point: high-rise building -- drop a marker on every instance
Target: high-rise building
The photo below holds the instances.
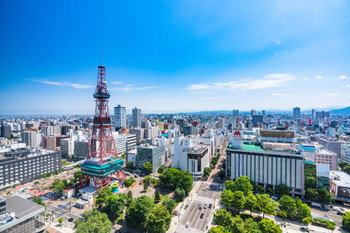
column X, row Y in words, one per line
column 67, row 147
column 221, row 123
column 31, row 138
column 257, row 119
column 252, row 112
column 296, row 113
column 313, row 114
column 235, row 113
column 5, row 131
column 263, row 113
column 136, row 117
column 51, row 130
column 119, row 117
column 153, row 154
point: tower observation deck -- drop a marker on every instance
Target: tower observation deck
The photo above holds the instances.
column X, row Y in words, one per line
column 102, row 163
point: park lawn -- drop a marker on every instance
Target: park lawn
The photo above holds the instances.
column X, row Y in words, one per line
column 162, row 198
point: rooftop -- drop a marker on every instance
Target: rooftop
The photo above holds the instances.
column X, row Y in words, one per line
column 340, row 178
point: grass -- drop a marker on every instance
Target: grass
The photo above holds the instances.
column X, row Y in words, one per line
column 162, row 198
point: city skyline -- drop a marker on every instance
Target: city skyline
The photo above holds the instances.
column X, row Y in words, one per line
column 168, row 58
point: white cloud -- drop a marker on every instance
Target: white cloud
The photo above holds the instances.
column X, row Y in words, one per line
column 117, row 82
column 277, row 42
column 279, row 94
column 132, row 88
column 342, row 76
column 269, row 81
column 67, row 84
column 331, row 94
column 319, row 77
column 347, row 86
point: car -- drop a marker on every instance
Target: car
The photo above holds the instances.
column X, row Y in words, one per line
column 70, row 220
column 187, row 224
column 205, row 205
column 202, row 215
column 200, row 207
column 210, row 206
column 135, row 176
column 303, row 229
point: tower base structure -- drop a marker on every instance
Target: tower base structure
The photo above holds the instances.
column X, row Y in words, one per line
column 101, row 175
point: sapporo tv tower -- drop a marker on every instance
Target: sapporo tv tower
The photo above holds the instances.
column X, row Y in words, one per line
column 103, row 163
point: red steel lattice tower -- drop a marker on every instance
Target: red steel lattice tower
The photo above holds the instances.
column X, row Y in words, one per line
column 102, row 161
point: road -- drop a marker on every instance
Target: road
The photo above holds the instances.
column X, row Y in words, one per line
column 57, row 213
column 207, row 194
column 331, row 213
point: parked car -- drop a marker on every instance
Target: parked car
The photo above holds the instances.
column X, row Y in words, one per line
column 202, row 215
column 187, row 224
column 210, row 206
column 70, row 220
column 200, row 207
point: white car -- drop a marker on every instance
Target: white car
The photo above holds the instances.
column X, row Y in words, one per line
column 187, row 224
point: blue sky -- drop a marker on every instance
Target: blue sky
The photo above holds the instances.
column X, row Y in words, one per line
column 173, row 56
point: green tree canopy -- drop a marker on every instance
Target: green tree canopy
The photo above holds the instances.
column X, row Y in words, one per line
column 310, row 182
column 161, row 170
column 77, row 175
column 39, row 201
column 346, row 221
column 129, row 165
column 251, row 203
column 251, row 226
column 223, row 218
column 157, row 196
column 128, row 182
column 179, row 194
column 148, row 167
column 230, row 185
column 243, row 184
column 311, row 194
column 206, row 171
column 282, row 189
column 239, row 200
column 60, row 220
column 324, row 196
column 102, row 196
column 288, row 205
column 169, row 204
column 115, row 205
column 227, row 198
column 268, row 226
column 303, row 210
column 137, row 212
column 158, row 220
column 173, row 178
column 219, row 229
column 93, row 221
column 266, row 205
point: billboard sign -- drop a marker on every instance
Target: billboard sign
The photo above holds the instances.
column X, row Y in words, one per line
column 237, row 134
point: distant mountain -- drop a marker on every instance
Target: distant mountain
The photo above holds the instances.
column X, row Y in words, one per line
column 343, row 111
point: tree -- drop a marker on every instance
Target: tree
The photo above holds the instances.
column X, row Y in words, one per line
column 161, row 170
column 251, row 203
column 324, row 196
column 77, row 175
column 179, row 194
column 114, row 206
column 129, row 194
column 60, row 220
column 206, row 171
column 223, row 218
column 266, row 205
column 268, row 226
column 58, row 186
column 222, row 173
column 129, row 182
column 102, row 196
column 342, row 165
column 173, row 178
column 48, row 174
column 282, row 189
column 251, row 226
column 129, row 165
column 36, row 182
column 219, row 229
column 148, row 167
column 146, row 183
column 303, row 210
column 311, row 194
column 157, row 196
column 39, row 201
column 214, row 161
column 243, row 184
column 56, row 172
column 186, row 183
column 43, row 176
column 237, row 225
column 288, row 205
column 238, row 200
column 230, row 185
column 307, row 221
column 227, row 198
column 346, row 221
column 93, row 221
column 137, row 212
column 158, row 220
column 169, row 204
column 310, row 182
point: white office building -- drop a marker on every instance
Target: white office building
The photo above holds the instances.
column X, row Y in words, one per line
column 119, row 117
column 136, row 117
column 31, row 138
